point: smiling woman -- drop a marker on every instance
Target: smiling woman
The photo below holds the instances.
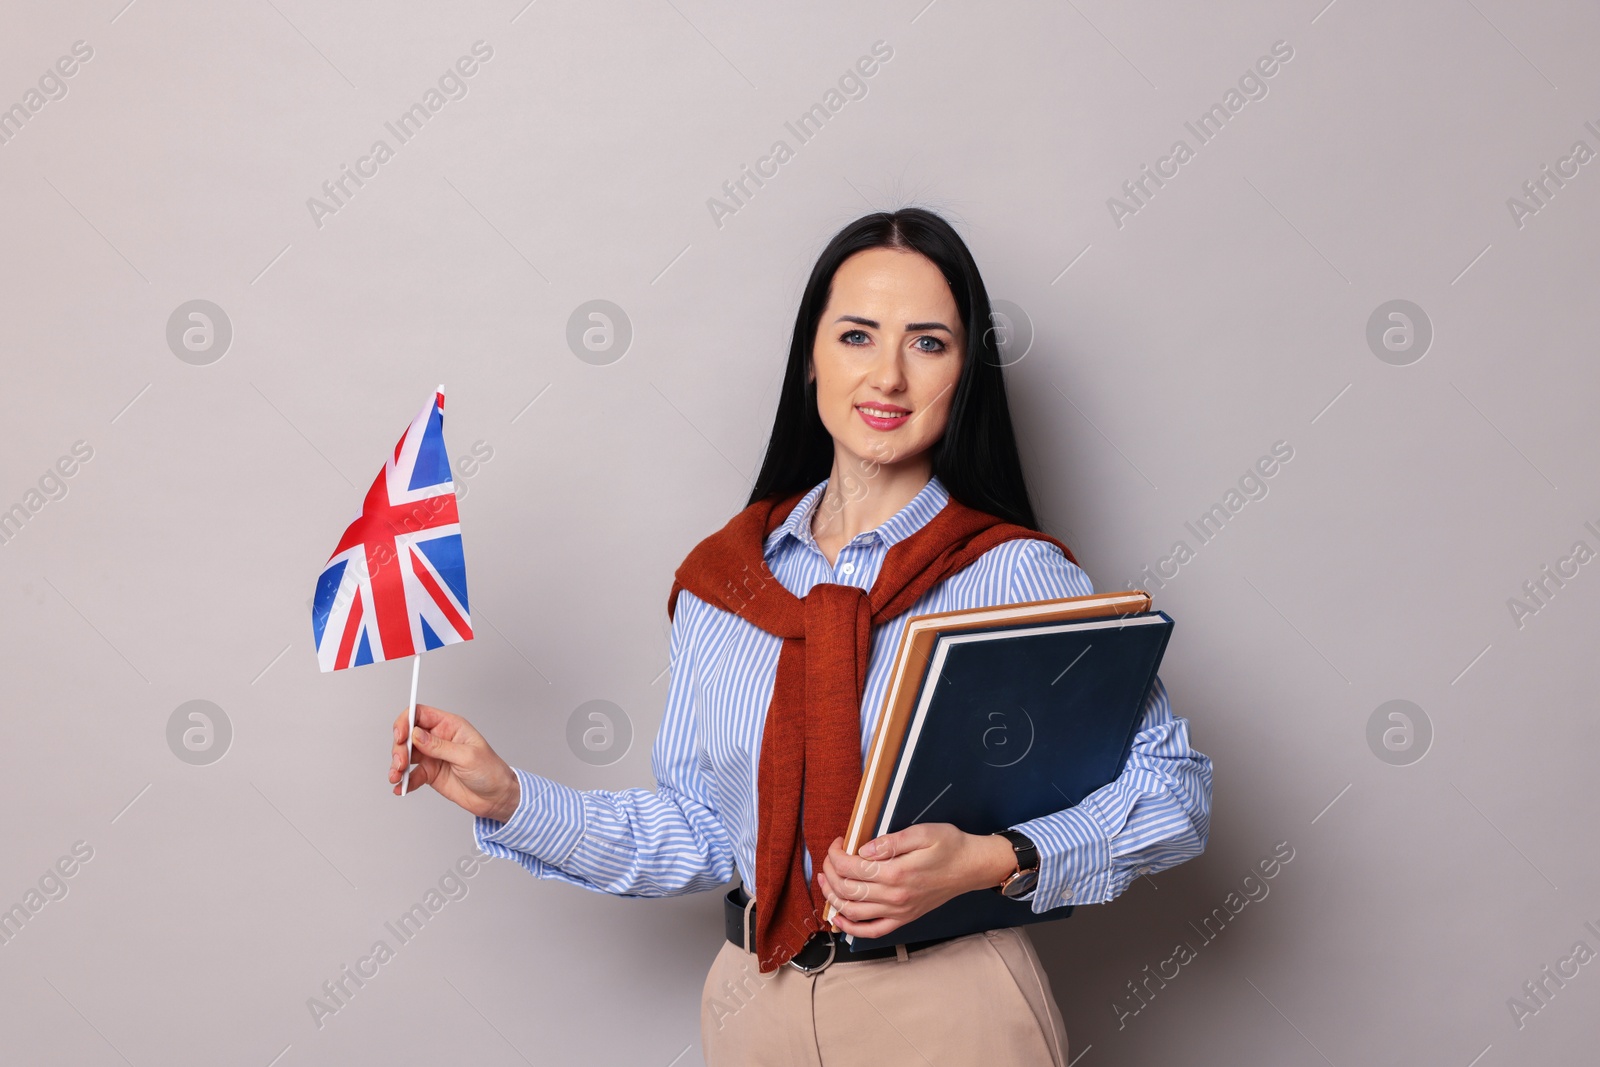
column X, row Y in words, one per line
column 891, row 487
column 887, row 321
column 883, row 377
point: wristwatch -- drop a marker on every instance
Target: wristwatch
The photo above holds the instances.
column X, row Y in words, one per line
column 1026, row 875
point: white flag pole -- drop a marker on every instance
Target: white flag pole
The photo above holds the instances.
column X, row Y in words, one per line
column 411, row 720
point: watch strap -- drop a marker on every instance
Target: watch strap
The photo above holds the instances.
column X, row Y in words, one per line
column 1027, row 856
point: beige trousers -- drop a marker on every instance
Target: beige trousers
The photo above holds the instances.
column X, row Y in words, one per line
column 978, row 999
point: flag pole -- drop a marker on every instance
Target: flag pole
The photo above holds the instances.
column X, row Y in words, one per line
column 411, row 720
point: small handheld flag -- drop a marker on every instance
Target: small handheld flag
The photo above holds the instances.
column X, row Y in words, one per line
column 396, row 583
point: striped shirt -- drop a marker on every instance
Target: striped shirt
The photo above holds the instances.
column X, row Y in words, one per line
column 699, row 823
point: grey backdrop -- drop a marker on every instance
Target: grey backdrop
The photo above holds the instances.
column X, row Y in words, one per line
column 1161, row 349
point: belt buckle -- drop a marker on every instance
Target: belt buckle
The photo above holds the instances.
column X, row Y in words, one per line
column 813, row 943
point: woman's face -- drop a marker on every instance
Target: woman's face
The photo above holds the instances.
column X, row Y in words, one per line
column 887, row 356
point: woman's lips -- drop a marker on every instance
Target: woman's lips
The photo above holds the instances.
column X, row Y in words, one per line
column 879, row 422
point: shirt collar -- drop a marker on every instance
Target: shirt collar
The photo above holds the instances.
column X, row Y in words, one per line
column 917, row 512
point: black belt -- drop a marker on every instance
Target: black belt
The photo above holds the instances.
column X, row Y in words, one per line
column 820, row 949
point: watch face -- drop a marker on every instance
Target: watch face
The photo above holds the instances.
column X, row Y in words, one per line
column 1020, row 884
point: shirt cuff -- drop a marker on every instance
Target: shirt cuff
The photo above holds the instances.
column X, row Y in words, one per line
column 1074, row 857
column 547, row 824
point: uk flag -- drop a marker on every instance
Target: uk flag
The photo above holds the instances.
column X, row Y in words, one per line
column 397, row 582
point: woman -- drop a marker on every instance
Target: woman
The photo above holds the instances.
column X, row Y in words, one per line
column 891, row 487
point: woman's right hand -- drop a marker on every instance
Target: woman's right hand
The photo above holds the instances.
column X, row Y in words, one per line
column 455, row 759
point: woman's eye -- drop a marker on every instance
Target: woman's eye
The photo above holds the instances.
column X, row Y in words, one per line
column 854, row 337
column 935, row 345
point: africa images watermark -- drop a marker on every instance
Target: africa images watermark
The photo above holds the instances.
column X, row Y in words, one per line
column 468, row 466
column 1254, row 891
column 1252, row 485
column 736, row 995
column 338, row 991
column 52, row 485
column 1211, row 122
column 1538, row 591
column 452, row 85
column 852, row 85
column 52, row 886
column 1539, row 191
column 52, row 85
column 1537, row 992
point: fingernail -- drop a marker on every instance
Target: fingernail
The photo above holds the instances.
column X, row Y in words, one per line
column 419, row 735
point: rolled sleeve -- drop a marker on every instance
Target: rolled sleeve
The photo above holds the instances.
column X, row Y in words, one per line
column 546, row 825
column 1074, row 858
column 1156, row 814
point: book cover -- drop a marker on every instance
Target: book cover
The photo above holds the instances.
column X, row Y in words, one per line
column 1008, row 722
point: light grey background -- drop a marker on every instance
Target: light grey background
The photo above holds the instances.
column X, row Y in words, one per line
column 1229, row 313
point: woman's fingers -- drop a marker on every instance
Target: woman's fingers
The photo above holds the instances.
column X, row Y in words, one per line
column 866, row 918
column 454, row 758
column 397, row 756
column 430, row 718
column 853, row 903
column 441, row 749
column 418, row 780
column 840, row 864
column 441, row 722
column 828, row 894
column 838, row 883
column 397, row 765
column 426, row 772
column 867, row 928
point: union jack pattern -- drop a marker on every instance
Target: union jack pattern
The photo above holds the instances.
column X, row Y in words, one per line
column 396, row 583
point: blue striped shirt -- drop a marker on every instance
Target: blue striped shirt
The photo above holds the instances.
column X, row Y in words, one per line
column 699, row 824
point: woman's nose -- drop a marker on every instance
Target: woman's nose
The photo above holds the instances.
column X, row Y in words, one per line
column 888, row 373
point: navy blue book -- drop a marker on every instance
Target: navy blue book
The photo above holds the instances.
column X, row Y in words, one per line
column 999, row 715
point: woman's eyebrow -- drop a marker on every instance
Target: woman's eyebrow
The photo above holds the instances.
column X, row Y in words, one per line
column 858, row 320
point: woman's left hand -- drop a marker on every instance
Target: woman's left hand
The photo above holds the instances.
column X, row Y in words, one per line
column 901, row 876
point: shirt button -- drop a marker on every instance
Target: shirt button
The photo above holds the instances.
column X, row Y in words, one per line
column 1066, row 896
column 847, row 567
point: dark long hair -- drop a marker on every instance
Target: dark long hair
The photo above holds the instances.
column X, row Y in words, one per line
column 976, row 457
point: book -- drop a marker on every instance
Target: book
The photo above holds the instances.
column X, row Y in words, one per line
column 997, row 715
